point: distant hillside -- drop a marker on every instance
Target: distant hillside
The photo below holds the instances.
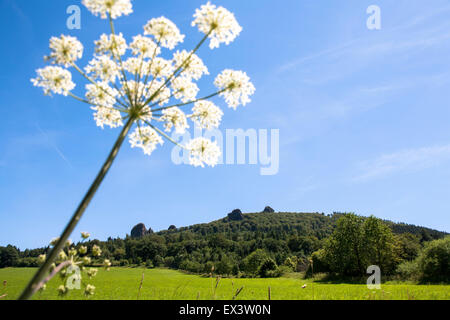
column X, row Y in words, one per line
column 318, row 225
column 236, row 244
column 239, row 243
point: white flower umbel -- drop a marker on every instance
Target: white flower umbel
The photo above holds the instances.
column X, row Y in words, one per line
column 85, row 235
column 114, row 8
column 191, row 66
column 65, row 50
column 203, row 151
column 70, row 257
column 145, row 138
column 89, row 290
column 206, row 114
column 144, row 47
column 104, row 68
column 101, row 94
column 161, row 96
column 54, row 80
column 165, row 32
column 146, row 114
column 219, row 23
column 142, row 93
column 175, row 118
column 184, row 89
column 111, row 44
column 161, row 68
column 135, row 65
column 237, row 87
column 135, row 89
column 105, row 116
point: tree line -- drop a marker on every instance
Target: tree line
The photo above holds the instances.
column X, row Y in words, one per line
column 271, row 244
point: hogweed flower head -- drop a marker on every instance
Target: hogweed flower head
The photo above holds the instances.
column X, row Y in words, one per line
column 65, row 50
column 206, row 115
column 144, row 47
column 145, row 138
column 85, row 235
column 111, row 44
column 92, row 272
column 54, row 80
column 107, row 263
column 237, row 86
column 42, row 258
column 132, row 82
column 219, row 23
column 175, row 118
column 103, row 68
column 82, row 250
column 113, row 8
column 62, row 290
column 71, row 263
column 96, row 251
column 86, row 260
column 89, row 290
column 203, row 151
column 192, row 65
column 165, row 31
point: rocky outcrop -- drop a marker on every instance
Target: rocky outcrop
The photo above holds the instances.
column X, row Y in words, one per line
column 236, row 215
column 139, row 231
column 268, row 210
column 172, row 227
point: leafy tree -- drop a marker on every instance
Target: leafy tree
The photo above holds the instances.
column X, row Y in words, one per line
column 291, row 263
column 434, row 260
column 9, row 256
column 379, row 245
column 225, row 266
column 408, row 246
column 344, row 249
column 319, row 262
column 357, row 243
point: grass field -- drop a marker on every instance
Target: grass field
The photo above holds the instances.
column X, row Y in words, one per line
column 123, row 283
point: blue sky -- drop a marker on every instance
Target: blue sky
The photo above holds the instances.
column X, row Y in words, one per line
column 363, row 118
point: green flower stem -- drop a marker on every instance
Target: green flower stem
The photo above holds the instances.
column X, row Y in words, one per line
column 119, row 59
column 116, row 107
column 178, row 69
column 165, row 135
column 53, row 273
column 96, row 84
column 33, row 285
column 190, row 102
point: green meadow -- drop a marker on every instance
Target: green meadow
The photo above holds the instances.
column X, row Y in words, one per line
column 165, row 284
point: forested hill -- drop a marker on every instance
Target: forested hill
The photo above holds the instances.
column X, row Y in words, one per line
column 281, row 224
column 239, row 243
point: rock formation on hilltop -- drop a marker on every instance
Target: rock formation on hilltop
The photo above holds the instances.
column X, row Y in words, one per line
column 268, row 210
column 236, row 215
column 140, row 230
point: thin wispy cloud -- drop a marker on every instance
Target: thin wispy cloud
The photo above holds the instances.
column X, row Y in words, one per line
column 403, row 161
column 416, row 34
column 53, row 145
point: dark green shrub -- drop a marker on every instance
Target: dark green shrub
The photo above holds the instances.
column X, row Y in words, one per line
column 268, row 269
column 409, row 270
column 253, row 261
